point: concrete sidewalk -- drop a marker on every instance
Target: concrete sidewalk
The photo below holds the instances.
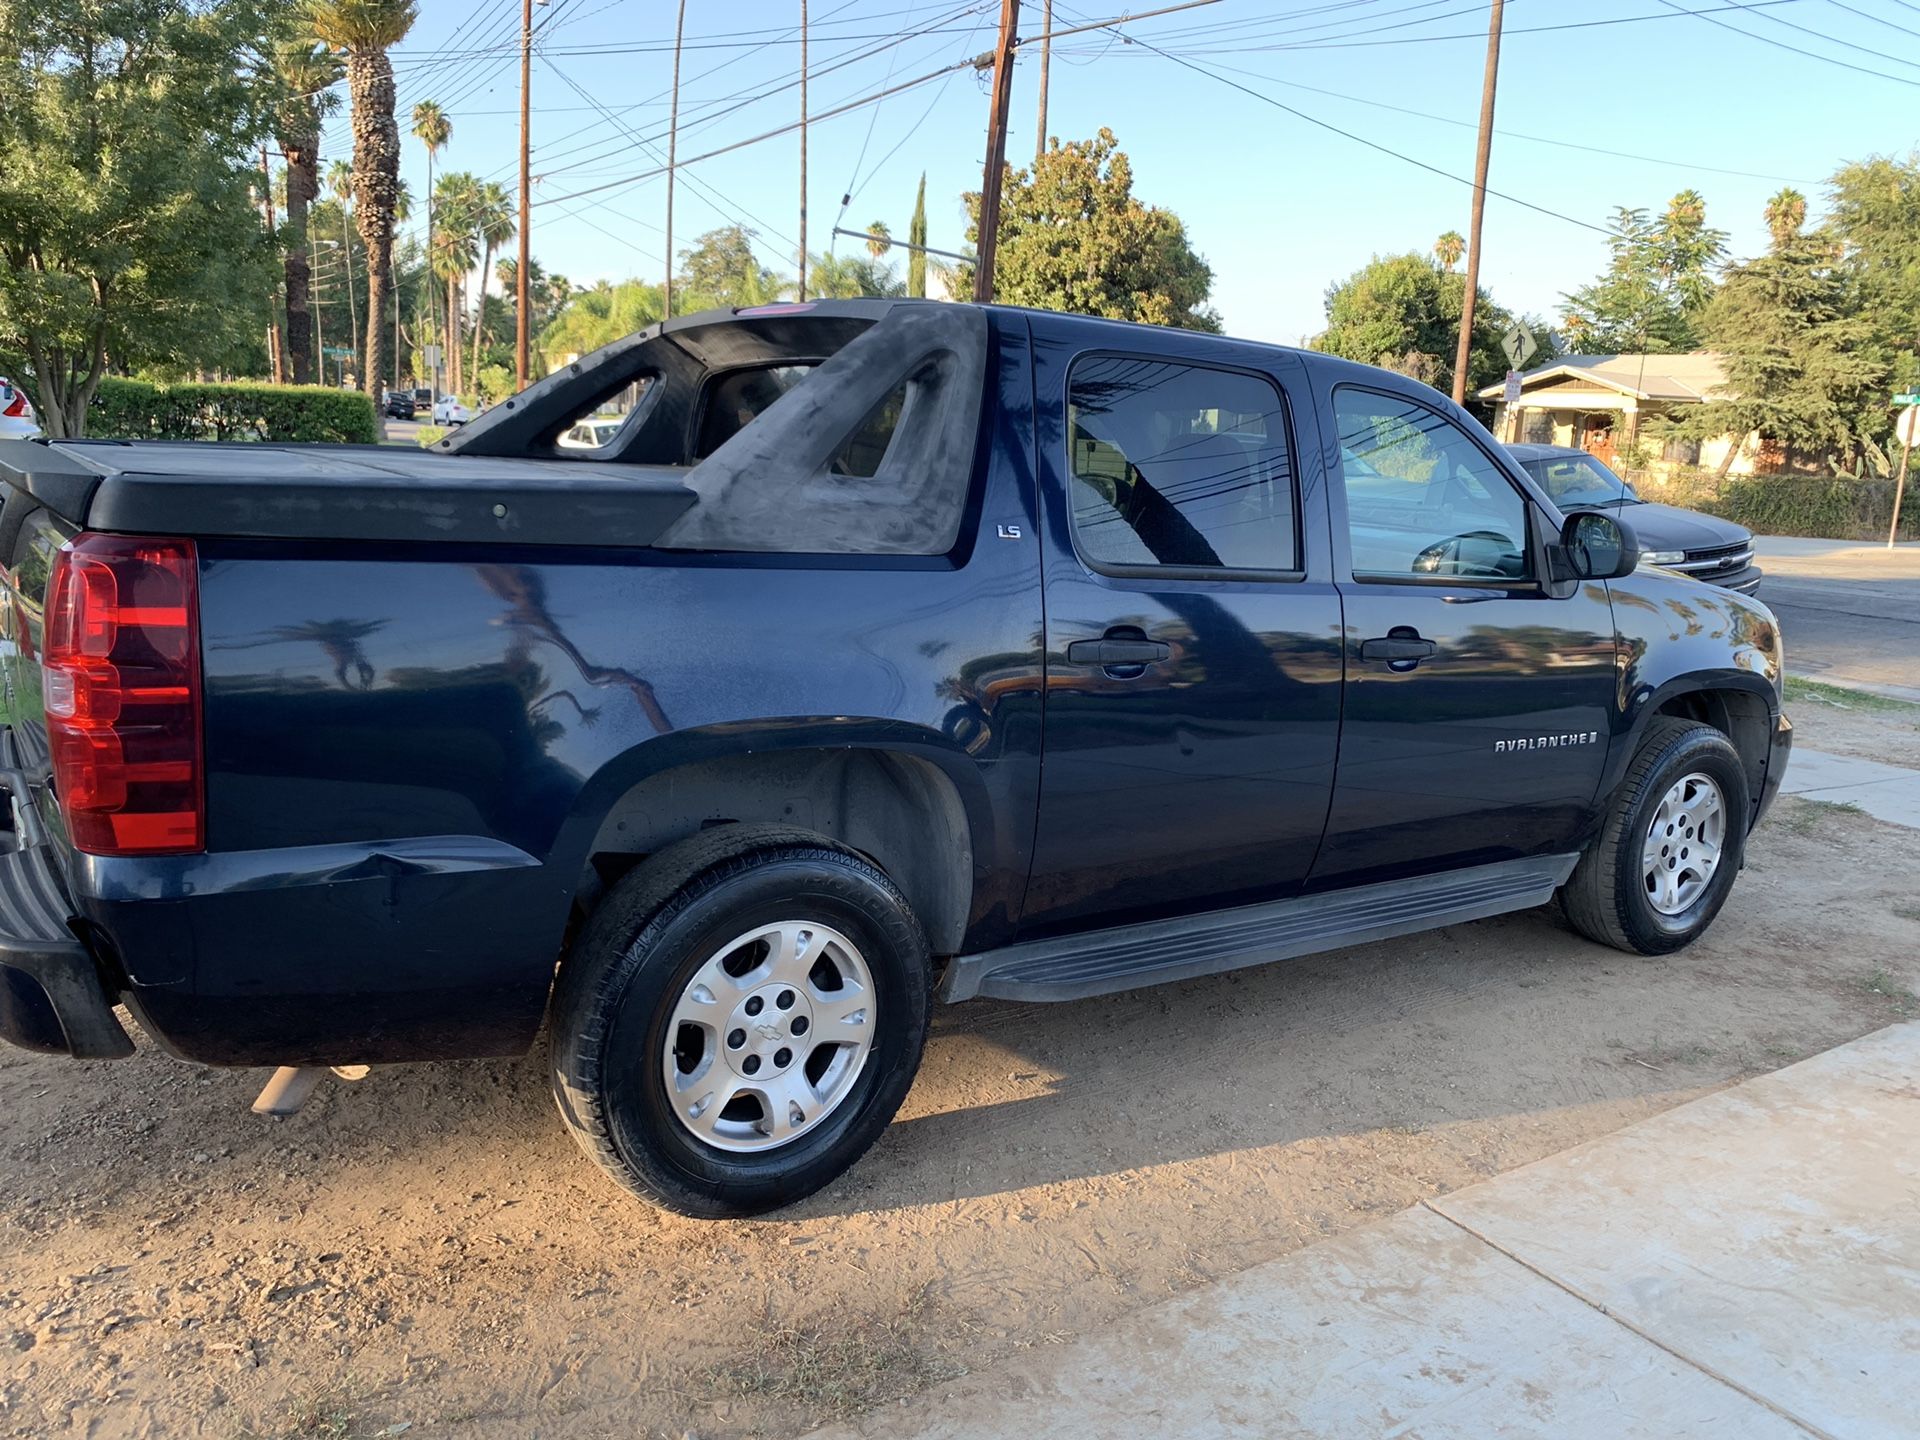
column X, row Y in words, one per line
column 1743, row 1267
column 1887, row 792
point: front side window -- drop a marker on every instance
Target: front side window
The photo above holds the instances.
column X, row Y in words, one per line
column 1179, row 466
column 1424, row 501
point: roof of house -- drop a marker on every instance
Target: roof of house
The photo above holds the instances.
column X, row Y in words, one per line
column 1693, row 376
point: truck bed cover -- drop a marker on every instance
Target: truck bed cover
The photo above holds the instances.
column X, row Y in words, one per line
column 344, row 492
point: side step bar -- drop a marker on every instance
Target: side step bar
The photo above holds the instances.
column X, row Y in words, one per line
column 1128, row 957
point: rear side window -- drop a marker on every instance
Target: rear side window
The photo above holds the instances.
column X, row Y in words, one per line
column 736, row 400
column 1179, row 466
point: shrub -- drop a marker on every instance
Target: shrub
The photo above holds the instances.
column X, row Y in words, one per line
column 137, row 410
column 1833, row 507
column 431, row 435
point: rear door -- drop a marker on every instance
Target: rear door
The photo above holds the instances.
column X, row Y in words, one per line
column 1192, row 630
column 1477, row 704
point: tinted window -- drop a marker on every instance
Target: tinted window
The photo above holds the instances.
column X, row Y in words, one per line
column 1422, row 498
column 1178, row 465
column 736, row 400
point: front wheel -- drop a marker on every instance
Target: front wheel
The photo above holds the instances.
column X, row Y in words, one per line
column 733, row 1045
column 1673, row 841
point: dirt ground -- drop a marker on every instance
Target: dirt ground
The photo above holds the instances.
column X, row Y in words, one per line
column 426, row 1253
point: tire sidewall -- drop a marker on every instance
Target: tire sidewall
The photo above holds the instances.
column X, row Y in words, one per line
column 662, row 958
column 1708, row 753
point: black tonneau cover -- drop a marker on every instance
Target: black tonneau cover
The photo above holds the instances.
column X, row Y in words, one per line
column 343, row 492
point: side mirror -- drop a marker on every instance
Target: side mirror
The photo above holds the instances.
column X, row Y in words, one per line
column 1598, row 546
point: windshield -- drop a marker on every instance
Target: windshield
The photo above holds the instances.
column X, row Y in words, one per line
column 1575, row 480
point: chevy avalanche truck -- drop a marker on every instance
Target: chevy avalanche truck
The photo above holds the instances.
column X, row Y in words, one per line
column 886, row 652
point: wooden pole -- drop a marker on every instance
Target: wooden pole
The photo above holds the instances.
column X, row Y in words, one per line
column 1046, row 65
column 521, row 320
column 990, row 182
column 1481, row 155
column 803, row 149
column 673, row 149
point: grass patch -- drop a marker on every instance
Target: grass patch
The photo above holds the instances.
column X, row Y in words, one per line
column 324, row 1411
column 1883, row 986
column 1805, row 816
column 1843, row 697
column 843, row 1366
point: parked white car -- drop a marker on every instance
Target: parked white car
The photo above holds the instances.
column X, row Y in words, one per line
column 592, row 434
column 448, row 410
column 16, row 413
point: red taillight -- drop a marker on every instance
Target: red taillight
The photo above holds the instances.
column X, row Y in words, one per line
column 122, row 676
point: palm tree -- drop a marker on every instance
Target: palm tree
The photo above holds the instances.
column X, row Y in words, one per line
column 306, row 73
column 340, row 182
column 365, row 30
column 453, row 252
column 433, row 130
column 879, row 239
column 1449, row 248
column 493, row 220
column 1786, row 213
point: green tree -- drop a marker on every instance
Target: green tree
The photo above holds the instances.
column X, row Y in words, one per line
column 340, row 186
column 917, row 237
column 1659, row 279
column 848, row 277
column 433, row 129
column 1073, row 237
column 365, row 30
column 493, row 220
column 1402, row 312
column 1802, row 362
column 879, row 239
column 453, row 252
column 722, row 270
column 1874, row 210
column 1449, row 249
column 304, row 73
column 1786, row 215
column 599, row 316
column 128, row 228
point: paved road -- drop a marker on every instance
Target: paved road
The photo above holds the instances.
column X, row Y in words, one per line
column 402, row 432
column 1850, row 612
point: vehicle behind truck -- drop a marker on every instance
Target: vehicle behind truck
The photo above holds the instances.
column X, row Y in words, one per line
column 883, row 653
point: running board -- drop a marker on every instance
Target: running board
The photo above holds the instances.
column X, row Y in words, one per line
column 1128, row 957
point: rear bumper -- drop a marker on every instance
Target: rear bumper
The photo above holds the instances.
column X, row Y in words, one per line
column 51, row 996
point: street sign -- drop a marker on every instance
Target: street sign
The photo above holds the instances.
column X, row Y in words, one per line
column 430, row 354
column 1518, row 344
column 1907, row 425
column 340, row 352
column 1511, row 394
column 1906, row 399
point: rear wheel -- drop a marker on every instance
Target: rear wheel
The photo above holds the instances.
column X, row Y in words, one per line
column 732, row 1044
column 1672, row 843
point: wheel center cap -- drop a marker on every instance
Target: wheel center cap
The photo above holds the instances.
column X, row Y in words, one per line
column 769, row 1032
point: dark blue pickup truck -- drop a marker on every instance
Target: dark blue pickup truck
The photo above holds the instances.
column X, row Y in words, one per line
column 885, row 653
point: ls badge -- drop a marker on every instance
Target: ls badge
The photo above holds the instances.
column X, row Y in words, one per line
column 1009, row 532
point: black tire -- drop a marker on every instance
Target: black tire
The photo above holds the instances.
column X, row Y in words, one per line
column 1606, row 896
column 627, row 969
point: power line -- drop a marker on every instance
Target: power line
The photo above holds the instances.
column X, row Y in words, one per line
column 1783, row 45
column 1877, row 19
column 1299, row 114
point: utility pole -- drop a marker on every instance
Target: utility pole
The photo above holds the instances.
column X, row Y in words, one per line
column 803, row 149
column 526, row 184
column 274, row 354
column 996, row 153
column 1046, row 65
column 313, row 299
column 673, row 150
column 1481, row 155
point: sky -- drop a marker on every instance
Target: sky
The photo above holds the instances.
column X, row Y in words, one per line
column 1734, row 100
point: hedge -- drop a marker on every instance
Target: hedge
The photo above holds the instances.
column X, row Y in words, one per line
column 137, row 410
column 1830, row 507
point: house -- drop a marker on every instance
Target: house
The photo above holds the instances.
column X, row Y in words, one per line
column 1599, row 403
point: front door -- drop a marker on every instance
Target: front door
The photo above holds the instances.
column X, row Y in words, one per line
column 1193, row 633
column 1477, row 705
